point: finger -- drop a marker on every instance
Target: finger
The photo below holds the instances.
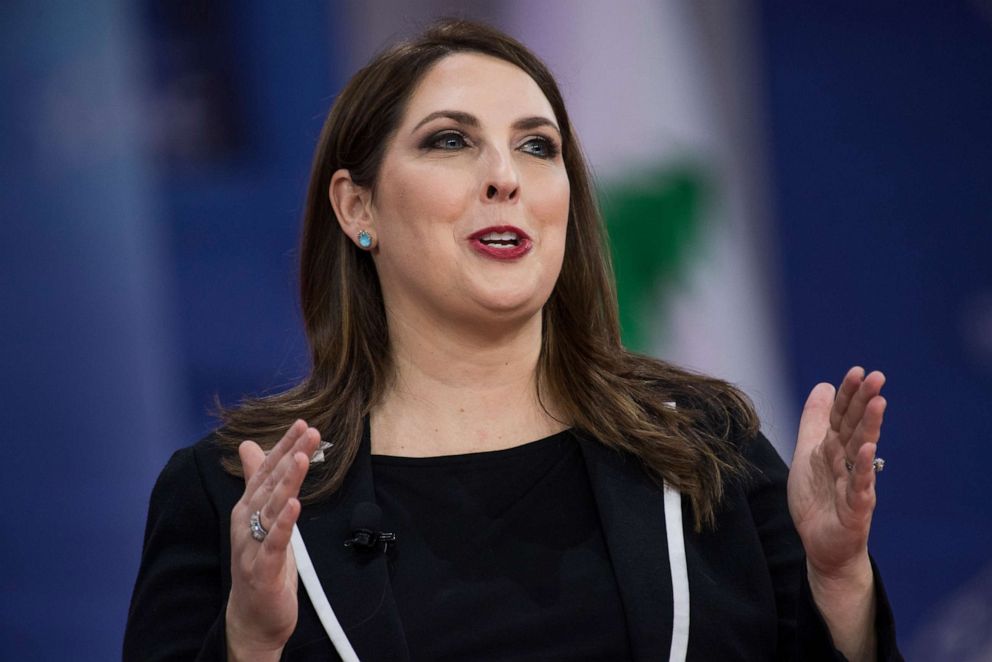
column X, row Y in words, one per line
column 869, row 429
column 814, row 420
column 252, row 457
column 869, row 388
column 288, row 465
column 848, row 387
column 287, row 487
column 861, row 487
column 271, row 460
column 284, row 445
column 270, row 563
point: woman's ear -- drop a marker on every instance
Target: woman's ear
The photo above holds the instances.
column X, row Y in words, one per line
column 353, row 208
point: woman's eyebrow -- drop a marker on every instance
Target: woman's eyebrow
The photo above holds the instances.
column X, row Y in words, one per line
column 461, row 117
column 468, row 119
column 528, row 123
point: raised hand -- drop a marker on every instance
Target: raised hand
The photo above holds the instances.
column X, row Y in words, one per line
column 831, row 504
column 832, row 498
column 262, row 607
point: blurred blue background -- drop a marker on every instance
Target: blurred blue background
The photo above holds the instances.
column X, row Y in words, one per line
column 154, row 157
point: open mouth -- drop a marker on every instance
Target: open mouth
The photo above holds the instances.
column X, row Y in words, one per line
column 503, row 242
column 500, row 239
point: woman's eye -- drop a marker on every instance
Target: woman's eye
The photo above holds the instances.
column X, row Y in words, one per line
column 541, row 147
column 448, row 141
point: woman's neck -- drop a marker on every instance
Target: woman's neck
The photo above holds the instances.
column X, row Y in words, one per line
column 461, row 393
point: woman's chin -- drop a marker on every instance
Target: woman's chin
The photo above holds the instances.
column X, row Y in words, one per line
column 503, row 296
column 509, row 307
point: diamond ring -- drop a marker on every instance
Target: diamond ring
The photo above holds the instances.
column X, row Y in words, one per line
column 877, row 464
column 258, row 532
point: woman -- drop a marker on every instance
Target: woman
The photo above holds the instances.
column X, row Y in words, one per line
column 552, row 495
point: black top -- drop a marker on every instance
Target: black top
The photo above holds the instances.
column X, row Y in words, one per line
column 500, row 555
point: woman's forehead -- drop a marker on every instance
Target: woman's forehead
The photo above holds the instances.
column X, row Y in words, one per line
column 482, row 85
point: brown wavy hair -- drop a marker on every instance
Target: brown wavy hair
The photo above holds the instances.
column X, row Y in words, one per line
column 605, row 392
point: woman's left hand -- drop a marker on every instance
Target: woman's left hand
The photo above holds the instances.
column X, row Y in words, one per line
column 832, row 505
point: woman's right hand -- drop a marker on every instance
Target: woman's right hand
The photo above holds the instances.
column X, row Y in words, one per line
column 262, row 607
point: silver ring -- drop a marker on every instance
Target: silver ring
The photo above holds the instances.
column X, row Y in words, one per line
column 877, row 464
column 258, row 532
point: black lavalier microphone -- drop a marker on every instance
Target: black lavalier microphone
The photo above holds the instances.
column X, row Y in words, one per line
column 365, row 533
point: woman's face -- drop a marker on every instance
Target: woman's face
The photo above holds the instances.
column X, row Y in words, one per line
column 471, row 203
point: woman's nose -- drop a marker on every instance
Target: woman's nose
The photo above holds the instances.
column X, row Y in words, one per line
column 501, row 183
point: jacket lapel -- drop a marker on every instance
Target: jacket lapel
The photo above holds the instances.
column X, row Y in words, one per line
column 632, row 511
column 356, row 583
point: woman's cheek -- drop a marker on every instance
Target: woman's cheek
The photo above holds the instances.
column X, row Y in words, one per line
column 554, row 204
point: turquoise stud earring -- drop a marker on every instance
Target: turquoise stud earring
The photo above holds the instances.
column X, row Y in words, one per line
column 364, row 239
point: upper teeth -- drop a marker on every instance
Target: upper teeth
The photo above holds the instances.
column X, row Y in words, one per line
column 500, row 236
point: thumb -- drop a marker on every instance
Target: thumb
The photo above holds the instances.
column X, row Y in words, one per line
column 252, row 457
column 815, row 419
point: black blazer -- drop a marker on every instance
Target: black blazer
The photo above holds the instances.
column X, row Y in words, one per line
column 749, row 598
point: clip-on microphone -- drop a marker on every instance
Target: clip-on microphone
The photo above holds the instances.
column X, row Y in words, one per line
column 364, row 529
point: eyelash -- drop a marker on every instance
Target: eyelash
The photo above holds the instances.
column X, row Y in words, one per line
column 551, row 147
column 433, row 142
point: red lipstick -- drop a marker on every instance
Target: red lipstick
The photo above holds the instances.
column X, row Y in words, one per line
column 503, row 242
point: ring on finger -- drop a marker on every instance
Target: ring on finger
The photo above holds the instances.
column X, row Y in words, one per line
column 877, row 465
column 258, row 532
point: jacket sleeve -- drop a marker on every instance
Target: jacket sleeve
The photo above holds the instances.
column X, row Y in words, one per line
column 802, row 632
column 177, row 608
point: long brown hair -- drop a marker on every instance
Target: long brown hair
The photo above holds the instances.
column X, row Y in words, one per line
column 609, row 394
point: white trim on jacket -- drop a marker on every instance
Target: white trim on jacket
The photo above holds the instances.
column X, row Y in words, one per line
column 319, row 599
column 680, row 574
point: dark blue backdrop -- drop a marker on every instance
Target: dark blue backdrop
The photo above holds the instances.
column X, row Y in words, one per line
column 154, row 162
column 882, row 154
